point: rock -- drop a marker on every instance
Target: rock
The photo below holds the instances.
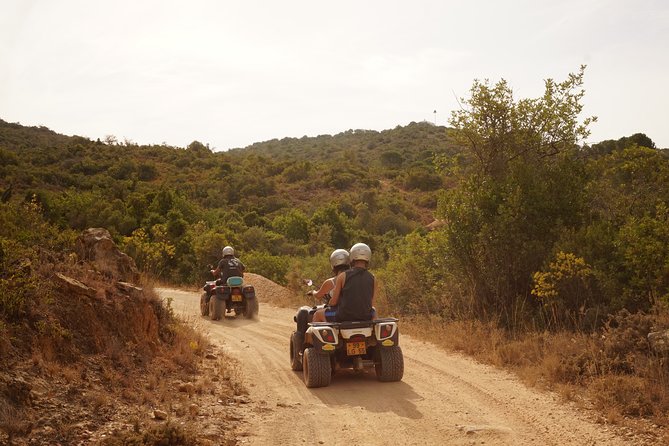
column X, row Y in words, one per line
column 96, row 246
column 73, row 286
column 659, row 341
column 159, row 414
column 130, row 289
column 188, row 388
column 16, row 390
column 194, row 409
column 210, row 356
column 436, row 224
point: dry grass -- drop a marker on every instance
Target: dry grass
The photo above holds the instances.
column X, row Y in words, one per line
column 13, row 422
column 612, row 372
column 168, row 434
column 98, row 400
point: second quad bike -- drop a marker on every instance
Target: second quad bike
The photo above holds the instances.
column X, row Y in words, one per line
column 233, row 296
column 321, row 348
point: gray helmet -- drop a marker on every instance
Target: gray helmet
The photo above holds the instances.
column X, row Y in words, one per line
column 228, row 251
column 360, row 251
column 339, row 257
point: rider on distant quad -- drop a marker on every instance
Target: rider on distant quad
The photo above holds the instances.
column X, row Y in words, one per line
column 354, row 291
column 229, row 266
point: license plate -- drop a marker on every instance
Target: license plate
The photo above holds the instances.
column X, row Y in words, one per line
column 356, row 348
column 236, row 297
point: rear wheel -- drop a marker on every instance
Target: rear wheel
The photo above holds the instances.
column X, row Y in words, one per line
column 215, row 308
column 251, row 309
column 296, row 343
column 389, row 365
column 204, row 305
column 316, row 367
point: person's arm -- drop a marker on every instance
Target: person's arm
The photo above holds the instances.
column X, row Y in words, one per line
column 217, row 272
column 325, row 288
column 375, row 292
column 339, row 284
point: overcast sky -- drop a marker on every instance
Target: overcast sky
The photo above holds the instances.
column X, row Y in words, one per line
column 229, row 74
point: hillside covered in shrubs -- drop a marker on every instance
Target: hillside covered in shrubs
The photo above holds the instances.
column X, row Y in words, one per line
column 173, row 209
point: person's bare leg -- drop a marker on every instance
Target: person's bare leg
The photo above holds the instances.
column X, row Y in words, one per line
column 319, row 316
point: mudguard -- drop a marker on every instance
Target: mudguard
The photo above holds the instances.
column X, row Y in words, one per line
column 223, row 292
column 323, row 336
column 249, row 292
column 302, row 318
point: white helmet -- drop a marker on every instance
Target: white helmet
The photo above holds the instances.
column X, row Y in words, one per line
column 360, row 251
column 339, row 257
column 228, row 251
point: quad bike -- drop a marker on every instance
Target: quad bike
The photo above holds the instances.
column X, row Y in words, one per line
column 233, row 296
column 321, row 348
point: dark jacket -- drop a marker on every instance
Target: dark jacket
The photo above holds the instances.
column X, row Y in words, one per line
column 231, row 267
column 355, row 301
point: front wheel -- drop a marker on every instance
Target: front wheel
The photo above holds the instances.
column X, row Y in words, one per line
column 204, row 305
column 296, row 343
column 389, row 364
column 317, row 368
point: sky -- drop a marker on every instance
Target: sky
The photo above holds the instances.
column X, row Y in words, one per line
column 229, row 74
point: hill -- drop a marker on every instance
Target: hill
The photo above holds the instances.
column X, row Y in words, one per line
column 173, row 208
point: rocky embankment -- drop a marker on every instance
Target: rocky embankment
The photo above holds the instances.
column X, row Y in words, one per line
column 101, row 360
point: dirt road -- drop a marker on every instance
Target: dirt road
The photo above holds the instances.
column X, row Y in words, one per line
column 444, row 399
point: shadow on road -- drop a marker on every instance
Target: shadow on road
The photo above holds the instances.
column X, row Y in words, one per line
column 363, row 391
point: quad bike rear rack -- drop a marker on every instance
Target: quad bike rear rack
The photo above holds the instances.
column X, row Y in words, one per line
column 354, row 324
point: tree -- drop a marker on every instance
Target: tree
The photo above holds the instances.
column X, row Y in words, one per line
column 497, row 129
column 338, row 223
column 198, row 148
column 392, row 159
column 526, row 189
column 294, row 225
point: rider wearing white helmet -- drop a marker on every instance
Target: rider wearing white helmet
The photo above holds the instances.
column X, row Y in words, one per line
column 354, row 291
column 229, row 266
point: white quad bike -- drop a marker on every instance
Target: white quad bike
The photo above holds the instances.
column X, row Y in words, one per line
column 321, row 348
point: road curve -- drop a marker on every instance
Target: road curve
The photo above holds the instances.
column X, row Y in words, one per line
column 443, row 399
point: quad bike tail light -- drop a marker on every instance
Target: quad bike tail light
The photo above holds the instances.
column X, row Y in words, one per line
column 327, row 335
column 386, row 330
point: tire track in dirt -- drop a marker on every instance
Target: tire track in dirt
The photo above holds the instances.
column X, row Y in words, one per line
column 444, row 398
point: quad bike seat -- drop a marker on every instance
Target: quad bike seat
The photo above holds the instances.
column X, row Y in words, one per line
column 235, row 281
